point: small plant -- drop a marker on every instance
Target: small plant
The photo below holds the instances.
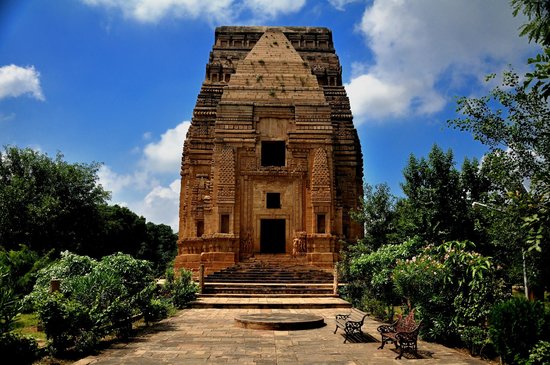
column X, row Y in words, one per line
column 272, row 93
column 261, row 62
column 259, row 78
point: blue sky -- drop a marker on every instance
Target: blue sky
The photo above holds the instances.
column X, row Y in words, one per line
column 115, row 81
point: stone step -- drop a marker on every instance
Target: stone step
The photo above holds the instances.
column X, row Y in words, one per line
column 270, row 275
column 269, row 302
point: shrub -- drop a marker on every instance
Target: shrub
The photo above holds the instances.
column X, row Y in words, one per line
column 17, row 349
column 516, row 325
column 453, row 288
column 180, row 288
column 539, row 354
column 96, row 298
column 68, row 323
column 369, row 273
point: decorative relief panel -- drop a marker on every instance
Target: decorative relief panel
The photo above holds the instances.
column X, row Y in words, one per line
column 320, row 177
column 225, row 163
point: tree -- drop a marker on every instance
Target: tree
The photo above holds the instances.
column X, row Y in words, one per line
column 378, row 216
column 47, row 203
column 434, row 208
column 537, row 29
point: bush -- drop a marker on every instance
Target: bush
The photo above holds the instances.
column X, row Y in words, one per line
column 180, row 288
column 96, row 298
column 17, row 349
column 516, row 325
column 453, row 288
column 539, row 354
column 369, row 274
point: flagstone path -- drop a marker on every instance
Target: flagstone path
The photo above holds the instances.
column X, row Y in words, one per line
column 211, row 336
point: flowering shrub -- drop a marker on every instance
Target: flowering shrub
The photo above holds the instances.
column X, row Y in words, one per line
column 453, row 289
column 369, row 277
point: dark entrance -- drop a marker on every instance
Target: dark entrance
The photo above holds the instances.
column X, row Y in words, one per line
column 272, row 236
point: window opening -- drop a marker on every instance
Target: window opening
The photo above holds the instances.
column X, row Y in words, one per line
column 273, row 153
column 273, row 200
column 321, row 223
column 224, row 223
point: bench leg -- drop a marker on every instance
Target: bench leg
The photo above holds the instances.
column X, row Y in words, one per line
column 383, row 343
column 400, row 354
column 336, row 329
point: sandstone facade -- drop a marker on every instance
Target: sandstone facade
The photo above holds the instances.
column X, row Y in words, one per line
column 271, row 162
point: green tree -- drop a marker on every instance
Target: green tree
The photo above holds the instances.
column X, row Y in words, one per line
column 537, row 29
column 378, row 215
column 160, row 247
column 435, row 207
column 47, row 203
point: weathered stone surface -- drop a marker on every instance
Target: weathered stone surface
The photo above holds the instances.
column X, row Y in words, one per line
column 271, row 158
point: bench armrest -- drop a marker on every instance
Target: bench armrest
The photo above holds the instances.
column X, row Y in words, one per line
column 342, row 316
column 386, row 328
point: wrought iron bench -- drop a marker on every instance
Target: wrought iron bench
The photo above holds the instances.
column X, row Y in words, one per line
column 403, row 333
column 351, row 323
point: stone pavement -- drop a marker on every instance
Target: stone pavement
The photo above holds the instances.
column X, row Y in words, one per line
column 210, row 336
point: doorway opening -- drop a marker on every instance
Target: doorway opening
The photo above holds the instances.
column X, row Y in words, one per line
column 272, row 236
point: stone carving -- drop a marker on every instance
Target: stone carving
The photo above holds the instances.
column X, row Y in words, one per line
column 272, row 118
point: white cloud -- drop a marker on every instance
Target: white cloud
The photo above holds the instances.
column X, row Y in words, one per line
column 422, row 49
column 16, row 81
column 272, row 9
column 152, row 11
column 341, row 4
column 150, row 190
column 165, row 155
column 6, row 117
column 213, row 11
column 161, row 204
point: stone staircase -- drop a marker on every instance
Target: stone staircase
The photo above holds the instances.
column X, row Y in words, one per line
column 269, row 282
column 270, row 276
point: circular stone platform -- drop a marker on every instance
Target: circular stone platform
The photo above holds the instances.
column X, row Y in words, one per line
column 280, row 321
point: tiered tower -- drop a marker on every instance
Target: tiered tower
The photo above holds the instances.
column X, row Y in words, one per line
column 271, row 162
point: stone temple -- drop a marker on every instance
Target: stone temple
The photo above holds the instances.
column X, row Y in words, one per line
column 272, row 163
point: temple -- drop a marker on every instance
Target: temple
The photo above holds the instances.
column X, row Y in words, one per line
column 271, row 163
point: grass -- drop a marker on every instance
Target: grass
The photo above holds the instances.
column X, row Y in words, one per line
column 27, row 325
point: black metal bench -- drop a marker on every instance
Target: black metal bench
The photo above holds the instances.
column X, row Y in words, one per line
column 351, row 323
column 403, row 333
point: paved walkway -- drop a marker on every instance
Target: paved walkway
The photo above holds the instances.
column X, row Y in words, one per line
column 210, row 336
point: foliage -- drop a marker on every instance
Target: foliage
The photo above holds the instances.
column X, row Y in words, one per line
column 21, row 266
column 16, row 349
column 438, row 199
column 9, row 304
column 539, row 354
column 180, row 287
column 369, row 274
column 453, row 289
column 47, row 203
column 96, row 298
column 513, row 122
column 378, row 215
column 537, row 29
column 516, row 325
column 538, row 14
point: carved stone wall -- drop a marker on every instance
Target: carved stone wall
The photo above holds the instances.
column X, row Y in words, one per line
column 274, row 89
